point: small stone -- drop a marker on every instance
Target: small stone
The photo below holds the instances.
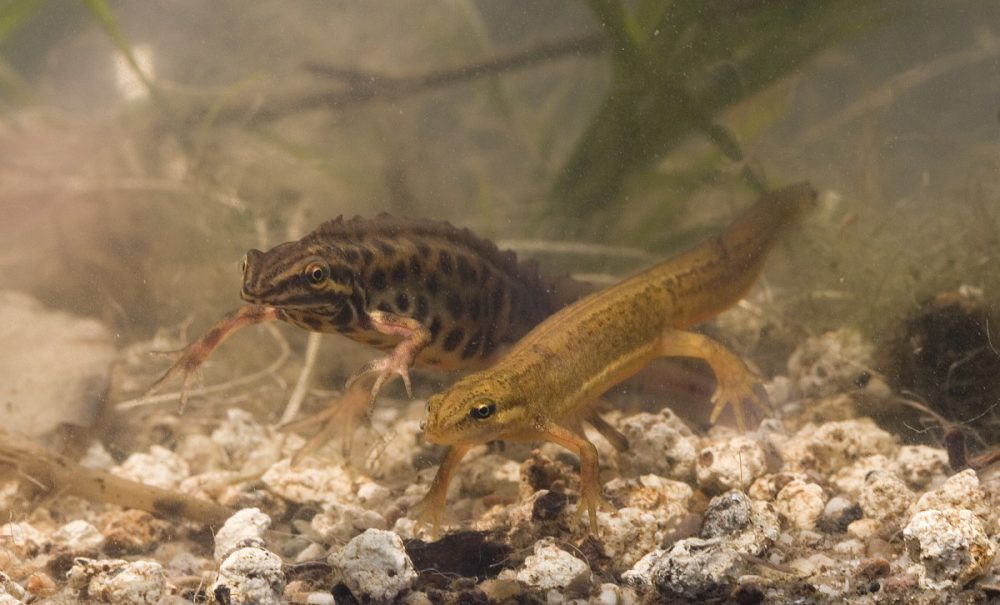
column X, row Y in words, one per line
column 305, row 484
column 78, row 536
column 243, row 529
column 961, row 490
column 11, row 588
column 922, row 466
column 339, row 522
column 828, row 363
column 659, row 444
column 22, row 539
column 800, row 503
column 243, row 440
column 551, row 567
column 372, row 495
column 749, row 526
column 832, row 446
column 133, row 531
column 952, row 545
column 612, row 594
column 491, row 475
column 698, row 569
column 885, row 498
column 374, row 566
column 118, row 582
column 160, row 468
column 864, row 529
column 730, row 464
column 249, row 576
column 851, row 479
column 838, row 513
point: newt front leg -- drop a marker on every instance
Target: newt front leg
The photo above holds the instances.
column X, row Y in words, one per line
column 415, row 335
column 344, row 414
column 191, row 357
column 431, row 508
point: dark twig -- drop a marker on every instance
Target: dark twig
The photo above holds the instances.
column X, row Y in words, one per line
column 362, row 87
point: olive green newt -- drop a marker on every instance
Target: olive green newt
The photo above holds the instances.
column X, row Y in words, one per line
column 546, row 385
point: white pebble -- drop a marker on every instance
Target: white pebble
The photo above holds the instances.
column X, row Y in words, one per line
column 372, row 495
column 374, row 566
column 119, row 582
column 159, row 468
column 801, row 503
column 243, row 529
column 78, row 536
column 952, row 546
column 850, row 480
column 832, row 446
column 22, row 539
column 922, row 466
column 827, row 363
column 250, row 576
column 730, row 464
column 339, row 522
column 961, row 490
column 885, row 498
column 300, row 483
column 243, row 439
column 612, row 594
column 11, row 589
column 551, row 567
column 660, row 444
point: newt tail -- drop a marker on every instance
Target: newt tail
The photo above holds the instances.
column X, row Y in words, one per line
column 547, row 384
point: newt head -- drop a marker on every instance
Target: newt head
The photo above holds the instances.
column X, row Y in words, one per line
column 295, row 276
column 479, row 408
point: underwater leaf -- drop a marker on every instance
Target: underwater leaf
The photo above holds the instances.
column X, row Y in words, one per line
column 100, row 11
column 15, row 13
column 708, row 55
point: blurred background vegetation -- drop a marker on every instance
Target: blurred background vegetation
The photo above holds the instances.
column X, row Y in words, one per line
column 145, row 146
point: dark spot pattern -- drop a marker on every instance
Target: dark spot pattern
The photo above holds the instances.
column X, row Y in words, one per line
column 472, row 347
column 415, row 266
column 399, row 272
column 496, row 298
column 435, row 328
column 351, row 255
column 345, row 315
column 453, row 339
column 423, row 250
column 385, row 247
column 377, row 280
column 453, row 302
column 465, row 270
column 312, row 322
column 402, row 302
column 474, row 309
column 422, row 308
column 444, row 262
column 367, row 255
column 432, row 285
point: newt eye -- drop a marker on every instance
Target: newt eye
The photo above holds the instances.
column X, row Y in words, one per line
column 243, row 264
column 483, row 410
column 316, row 273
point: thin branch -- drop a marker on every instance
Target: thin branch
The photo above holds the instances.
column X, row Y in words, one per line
column 302, row 384
column 363, row 87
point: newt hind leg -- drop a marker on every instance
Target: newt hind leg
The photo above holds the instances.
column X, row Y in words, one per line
column 738, row 387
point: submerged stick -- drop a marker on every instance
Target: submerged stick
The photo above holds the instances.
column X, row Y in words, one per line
column 52, row 471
